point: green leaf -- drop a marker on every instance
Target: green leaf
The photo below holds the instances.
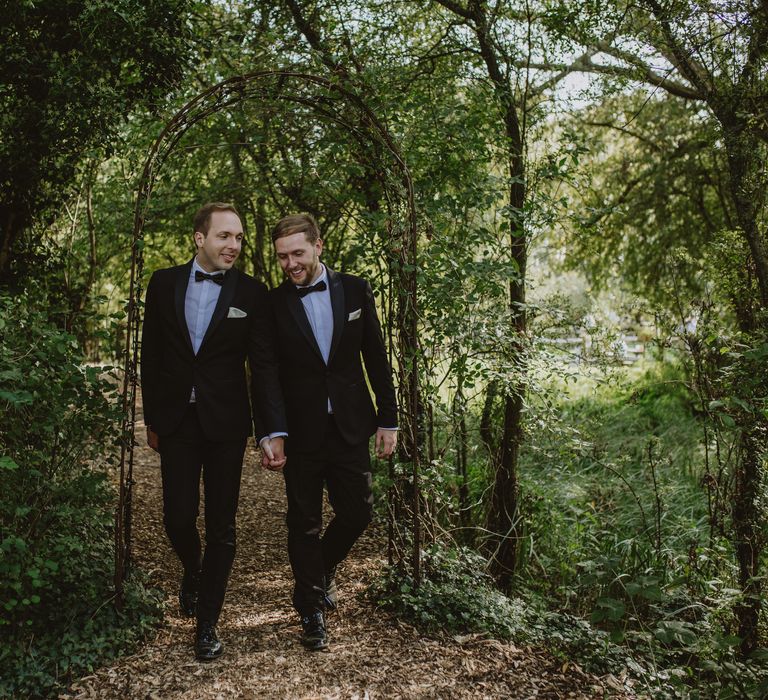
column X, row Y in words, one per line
column 616, row 635
column 19, row 398
column 611, row 608
column 8, row 464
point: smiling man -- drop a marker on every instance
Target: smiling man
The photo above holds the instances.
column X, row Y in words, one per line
column 326, row 330
column 202, row 321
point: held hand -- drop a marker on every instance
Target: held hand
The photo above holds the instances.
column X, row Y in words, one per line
column 266, row 452
column 385, row 442
column 278, row 451
column 267, row 455
column 153, row 439
column 273, row 454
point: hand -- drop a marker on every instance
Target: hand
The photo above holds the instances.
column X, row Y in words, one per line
column 273, row 454
column 153, row 439
column 385, row 442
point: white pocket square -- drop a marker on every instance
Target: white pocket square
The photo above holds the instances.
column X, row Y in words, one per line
column 234, row 312
column 354, row 315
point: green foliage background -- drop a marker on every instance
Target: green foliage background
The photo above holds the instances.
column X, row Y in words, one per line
column 639, row 486
column 59, row 435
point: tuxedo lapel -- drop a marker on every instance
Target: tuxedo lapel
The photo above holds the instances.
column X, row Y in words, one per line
column 336, row 289
column 180, row 289
column 222, row 305
column 296, row 308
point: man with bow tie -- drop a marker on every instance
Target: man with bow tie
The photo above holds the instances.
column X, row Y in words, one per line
column 326, row 328
column 202, row 321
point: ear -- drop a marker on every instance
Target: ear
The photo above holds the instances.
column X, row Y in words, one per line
column 199, row 239
column 319, row 245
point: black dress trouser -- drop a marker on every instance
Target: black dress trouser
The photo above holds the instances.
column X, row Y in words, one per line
column 346, row 472
column 184, row 455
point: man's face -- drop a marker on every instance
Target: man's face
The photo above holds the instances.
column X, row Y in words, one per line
column 299, row 258
column 220, row 248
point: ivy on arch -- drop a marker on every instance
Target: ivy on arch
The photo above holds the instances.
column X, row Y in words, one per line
column 330, row 101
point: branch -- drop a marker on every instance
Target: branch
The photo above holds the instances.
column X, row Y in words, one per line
column 692, row 71
column 758, row 44
column 564, row 71
column 640, row 72
column 456, row 8
column 314, row 38
column 649, row 75
column 608, row 208
column 347, row 41
column 644, row 139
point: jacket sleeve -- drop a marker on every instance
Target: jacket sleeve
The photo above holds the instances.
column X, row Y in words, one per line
column 151, row 350
column 266, row 394
column 377, row 365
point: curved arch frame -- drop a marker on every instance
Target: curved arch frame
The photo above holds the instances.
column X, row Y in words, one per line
column 323, row 97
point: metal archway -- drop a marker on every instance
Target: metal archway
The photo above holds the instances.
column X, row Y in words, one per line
column 336, row 103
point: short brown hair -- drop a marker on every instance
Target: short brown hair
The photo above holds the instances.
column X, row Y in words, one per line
column 297, row 223
column 202, row 220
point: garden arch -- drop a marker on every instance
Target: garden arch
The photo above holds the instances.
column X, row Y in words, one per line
column 342, row 105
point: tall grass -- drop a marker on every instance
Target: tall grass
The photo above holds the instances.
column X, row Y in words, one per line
column 612, row 492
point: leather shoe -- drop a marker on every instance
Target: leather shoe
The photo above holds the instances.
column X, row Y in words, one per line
column 314, row 636
column 331, row 594
column 207, row 644
column 190, row 586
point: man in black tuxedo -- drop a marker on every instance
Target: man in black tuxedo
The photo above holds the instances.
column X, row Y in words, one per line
column 202, row 321
column 325, row 323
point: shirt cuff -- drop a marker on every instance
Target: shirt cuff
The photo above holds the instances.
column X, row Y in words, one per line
column 270, row 436
column 382, row 428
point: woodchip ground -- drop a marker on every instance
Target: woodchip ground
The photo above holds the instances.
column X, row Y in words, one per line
column 372, row 654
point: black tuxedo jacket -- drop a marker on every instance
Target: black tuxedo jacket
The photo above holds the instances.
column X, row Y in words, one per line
column 169, row 368
column 308, row 382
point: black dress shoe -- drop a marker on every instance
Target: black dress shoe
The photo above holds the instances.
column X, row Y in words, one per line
column 314, row 636
column 331, row 594
column 207, row 644
column 190, row 586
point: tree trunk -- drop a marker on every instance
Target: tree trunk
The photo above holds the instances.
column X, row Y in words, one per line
column 748, row 526
column 8, row 236
column 486, row 421
column 746, row 170
column 462, row 449
column 503, row 515
column 747, row 190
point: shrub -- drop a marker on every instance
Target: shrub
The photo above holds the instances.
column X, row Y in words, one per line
column 59, row 420
column 455, row 594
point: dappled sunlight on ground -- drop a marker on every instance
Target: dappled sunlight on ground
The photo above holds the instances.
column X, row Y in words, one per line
column 371, row 654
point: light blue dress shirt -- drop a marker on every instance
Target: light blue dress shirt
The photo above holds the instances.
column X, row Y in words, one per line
column 199, row 305
column 317, row 306
column 319, row 310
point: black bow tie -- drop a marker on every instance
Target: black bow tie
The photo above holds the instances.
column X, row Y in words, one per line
column 319, row 287
column 218, row 277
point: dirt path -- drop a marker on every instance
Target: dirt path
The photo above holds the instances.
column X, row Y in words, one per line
column 372, row 655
